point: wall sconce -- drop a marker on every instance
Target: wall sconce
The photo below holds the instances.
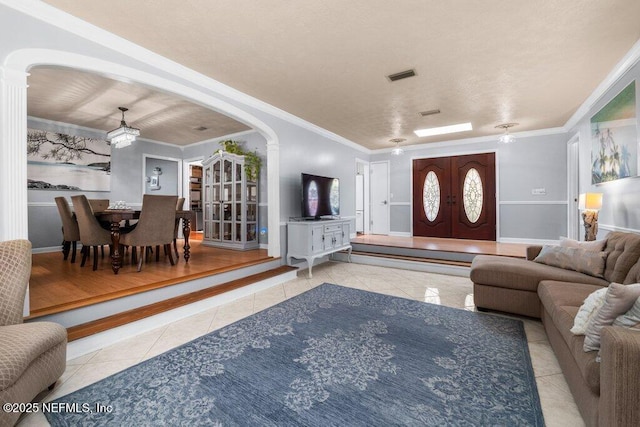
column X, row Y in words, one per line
column 590, row 204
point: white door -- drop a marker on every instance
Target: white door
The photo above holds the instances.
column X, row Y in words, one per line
column 573, row 158
column 379, row 197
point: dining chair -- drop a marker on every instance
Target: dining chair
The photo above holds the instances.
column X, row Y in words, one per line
column 179, row 207
column 70, row 231
column 155, row 227
column 91, row 233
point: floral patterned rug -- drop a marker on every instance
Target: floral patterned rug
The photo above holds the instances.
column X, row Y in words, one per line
column 331, row 356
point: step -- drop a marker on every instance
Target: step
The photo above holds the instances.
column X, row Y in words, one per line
column 100, row 325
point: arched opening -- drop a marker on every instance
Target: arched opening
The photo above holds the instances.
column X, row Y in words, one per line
column 13, row 195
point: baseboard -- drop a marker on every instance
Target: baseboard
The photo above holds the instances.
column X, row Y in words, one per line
column 528, row 241
column 49, row 249
column 400, row 234
column 610, row 227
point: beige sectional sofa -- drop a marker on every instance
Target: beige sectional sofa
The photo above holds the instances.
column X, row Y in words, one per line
column 607, row 392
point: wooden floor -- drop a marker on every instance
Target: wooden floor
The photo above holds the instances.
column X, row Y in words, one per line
column 56, row 285
column 479, row 247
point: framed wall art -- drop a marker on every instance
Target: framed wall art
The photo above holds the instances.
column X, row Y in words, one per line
column 614, row 138
column 58, row 161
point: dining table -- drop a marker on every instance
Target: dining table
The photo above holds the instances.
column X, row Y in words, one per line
column 115, row 216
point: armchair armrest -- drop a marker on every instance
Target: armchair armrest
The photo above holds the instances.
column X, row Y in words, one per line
column 619, row 373
column 533, row 251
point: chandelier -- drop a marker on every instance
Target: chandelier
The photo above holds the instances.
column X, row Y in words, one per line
column 397, row 151
column 124, row 135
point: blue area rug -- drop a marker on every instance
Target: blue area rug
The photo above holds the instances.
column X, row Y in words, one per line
column 331, row 356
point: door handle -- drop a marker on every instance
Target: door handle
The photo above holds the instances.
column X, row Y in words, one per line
column 453, row 200
column 384, row 202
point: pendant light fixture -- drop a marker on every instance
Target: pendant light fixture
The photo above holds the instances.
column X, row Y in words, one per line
column 506, row 138
column 397, row 151
column 124, row 135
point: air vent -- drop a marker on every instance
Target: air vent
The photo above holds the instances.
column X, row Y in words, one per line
column 401, row 75
column 429, row 113
column 200, row 128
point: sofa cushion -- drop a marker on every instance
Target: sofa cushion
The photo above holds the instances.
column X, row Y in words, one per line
column 624, row 252
column 618, row 300
column 588, row 311
column 594, row 245
column 517, row 273
column 578, row 259
column 630, row 319
column 21, row 344
column 562, row 301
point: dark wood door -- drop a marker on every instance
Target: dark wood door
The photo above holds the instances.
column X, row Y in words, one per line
column 435, row 220
column 458, row 199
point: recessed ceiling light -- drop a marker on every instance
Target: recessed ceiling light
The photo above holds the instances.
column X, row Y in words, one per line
column 444, row 129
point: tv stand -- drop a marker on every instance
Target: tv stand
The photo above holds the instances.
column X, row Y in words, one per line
column 314, row 239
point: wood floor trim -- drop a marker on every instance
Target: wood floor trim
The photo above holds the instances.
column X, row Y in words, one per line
column 100, row 325
column 414, row 259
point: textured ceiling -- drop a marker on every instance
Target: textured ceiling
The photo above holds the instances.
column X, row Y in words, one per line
column 89, row 100
column 326, row 61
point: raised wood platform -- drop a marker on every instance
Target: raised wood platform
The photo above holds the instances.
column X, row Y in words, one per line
column 432, row 249
column 57, row 286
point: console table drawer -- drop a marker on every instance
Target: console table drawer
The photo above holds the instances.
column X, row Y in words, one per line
column 332, row 228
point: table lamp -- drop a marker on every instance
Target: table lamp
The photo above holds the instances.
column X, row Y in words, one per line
column 590, row 204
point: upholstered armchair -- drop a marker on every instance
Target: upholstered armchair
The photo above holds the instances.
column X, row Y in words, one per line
column 70, row 230
column 32, row 355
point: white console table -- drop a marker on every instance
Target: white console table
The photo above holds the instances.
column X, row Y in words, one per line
column 314, row 239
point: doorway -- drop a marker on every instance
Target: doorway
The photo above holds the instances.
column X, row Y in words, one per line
column 455, row 197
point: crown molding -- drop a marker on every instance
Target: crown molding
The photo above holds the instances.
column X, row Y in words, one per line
column 60, row 19
column 222, row 138
column 629, row 60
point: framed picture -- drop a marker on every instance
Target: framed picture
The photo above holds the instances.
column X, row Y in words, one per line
column 614, row 138
column 59, row 161
column 154, row 183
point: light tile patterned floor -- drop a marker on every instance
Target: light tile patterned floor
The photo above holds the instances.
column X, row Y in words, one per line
column 557, row 403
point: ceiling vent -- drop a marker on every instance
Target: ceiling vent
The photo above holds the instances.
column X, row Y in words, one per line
column 401, row 75
column 200, row 128
column 429, row 113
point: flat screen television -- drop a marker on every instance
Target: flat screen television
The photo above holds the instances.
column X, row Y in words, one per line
column 320, row 196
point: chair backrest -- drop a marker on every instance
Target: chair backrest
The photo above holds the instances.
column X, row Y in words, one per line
column 179, row 207
column 15, row 270
column 157, row 222
column 70, row 230
column 91, row 233
column 98, row 205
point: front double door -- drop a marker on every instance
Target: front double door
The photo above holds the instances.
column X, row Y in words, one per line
column 455, row 197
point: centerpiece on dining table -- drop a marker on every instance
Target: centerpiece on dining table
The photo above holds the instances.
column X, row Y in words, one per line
column 119, row 205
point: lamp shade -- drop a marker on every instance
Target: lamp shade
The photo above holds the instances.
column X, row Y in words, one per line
column 590, row 201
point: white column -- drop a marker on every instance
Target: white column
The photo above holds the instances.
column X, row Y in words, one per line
column 13, row 154
column 273, row 193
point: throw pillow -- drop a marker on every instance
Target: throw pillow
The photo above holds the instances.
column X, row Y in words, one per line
column 631, row 319
column 593, row 246
column 587, row 311
column 618, row 300
column 577, row 259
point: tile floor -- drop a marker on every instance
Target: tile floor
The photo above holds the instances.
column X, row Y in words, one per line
column 557, row 403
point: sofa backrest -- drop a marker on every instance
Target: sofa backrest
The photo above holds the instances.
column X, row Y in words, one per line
column 624, row 252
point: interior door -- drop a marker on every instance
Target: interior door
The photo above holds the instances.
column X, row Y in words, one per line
column 431, row 197
column 455, row 197
column 379, row 197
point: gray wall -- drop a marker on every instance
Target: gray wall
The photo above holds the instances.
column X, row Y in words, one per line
column 530, row 162
column 621, row 198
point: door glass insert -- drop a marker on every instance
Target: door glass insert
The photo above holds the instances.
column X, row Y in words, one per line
column 431, row 196
column 472, row 195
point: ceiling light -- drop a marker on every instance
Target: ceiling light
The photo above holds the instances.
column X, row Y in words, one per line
column 506, row 138
column 397, row 150
column 444, row 129
column 124, row 135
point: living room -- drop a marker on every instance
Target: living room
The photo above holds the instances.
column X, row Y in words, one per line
column 542, row 159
